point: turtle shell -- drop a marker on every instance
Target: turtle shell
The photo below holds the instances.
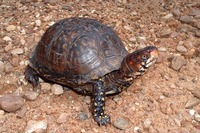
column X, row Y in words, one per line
column 76, row 51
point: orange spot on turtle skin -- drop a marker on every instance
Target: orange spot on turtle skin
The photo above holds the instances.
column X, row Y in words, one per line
column 131, row 62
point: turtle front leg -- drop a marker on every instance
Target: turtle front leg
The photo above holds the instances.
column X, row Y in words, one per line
column 98, row 104
column 31, row 76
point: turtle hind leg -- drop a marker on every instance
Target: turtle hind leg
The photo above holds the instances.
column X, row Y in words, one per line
column 98, row 104
column 31, row 76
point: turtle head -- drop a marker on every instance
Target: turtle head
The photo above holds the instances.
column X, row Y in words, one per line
column 137, row 62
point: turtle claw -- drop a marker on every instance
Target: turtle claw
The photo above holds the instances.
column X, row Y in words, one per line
column 31, row 76
column 103, row 120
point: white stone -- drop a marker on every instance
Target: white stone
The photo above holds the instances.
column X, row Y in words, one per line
column 38, row 22
column 7, row 38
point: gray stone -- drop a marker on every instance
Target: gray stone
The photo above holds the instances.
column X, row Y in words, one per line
column 178, row 62
column 187, row 19
column 57, row 89
column 181, row 49
column 83, row 116
column 30, row 95
column 192, row 103
column 87, row 99
column 176, row 13
column 194, row 12
column 11, row 102
column 21, row 113
column 121, row 123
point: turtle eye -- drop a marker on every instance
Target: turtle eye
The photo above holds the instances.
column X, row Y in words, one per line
column 144, row 56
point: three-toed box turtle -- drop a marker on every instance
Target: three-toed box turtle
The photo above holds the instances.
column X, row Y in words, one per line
column 88, row 57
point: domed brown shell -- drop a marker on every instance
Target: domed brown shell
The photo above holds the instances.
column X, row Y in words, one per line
column 75, row 51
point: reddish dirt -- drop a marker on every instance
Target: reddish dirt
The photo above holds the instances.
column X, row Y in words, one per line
column 156, row 102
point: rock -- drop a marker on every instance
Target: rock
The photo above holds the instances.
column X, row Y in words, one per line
column 83, row 116
column 17, row 51
column 11, row 102
column 36, row 126
column 192, row 103
column 133, row 39
column 62, row 118
column 168, row 16
column 198, row 24
column 192, row 112
column 22, row 112
column 2, row 66
column 8, row 68
column 165, row 33
column 181, row 49
column 7, row 39
column 197, row 117
column 121, row 123
column 147, row 123
column 194, row 12
column 8, row 47
column 196, row 92
column 162, row 49
column 178, row 62
column 45, row 87
column 176, row 13
column 30, row 95
column 38, row 22
column 11, row 28
column 187, row 19
column 57, row 89
column 197, row 33
column 127, row 28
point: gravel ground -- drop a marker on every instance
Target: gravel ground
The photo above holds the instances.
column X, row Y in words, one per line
column 165, row 99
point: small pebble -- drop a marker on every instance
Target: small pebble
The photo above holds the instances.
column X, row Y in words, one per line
column 38, row 22
column 11, row 28
column 45, row 87
column 194, row 12
column 162, row 49
column 192, row 103
column 8, row 68
column 192, row 112
column 197, row 33
column 7, row 39
column 11, row 102
column 17, row 51
column 197, row 117
column 57, row 89
column 196, row 92
column 21, row 113
column 36, row 126
column 83, row 116
column 2, row 66
column 8, row 47
column 133, row 39
column 187, row 19
column 62, row 118
column 147, row 123
column 165, row 33
column 178, row 62
column 121, row 123
column 168, row 16
column 83, row 131
column 30, row 95
column 181, row 49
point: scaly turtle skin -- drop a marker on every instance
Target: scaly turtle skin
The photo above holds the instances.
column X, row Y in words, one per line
column 90, row 58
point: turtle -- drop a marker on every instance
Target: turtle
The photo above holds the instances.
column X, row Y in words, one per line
column 87, row 56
